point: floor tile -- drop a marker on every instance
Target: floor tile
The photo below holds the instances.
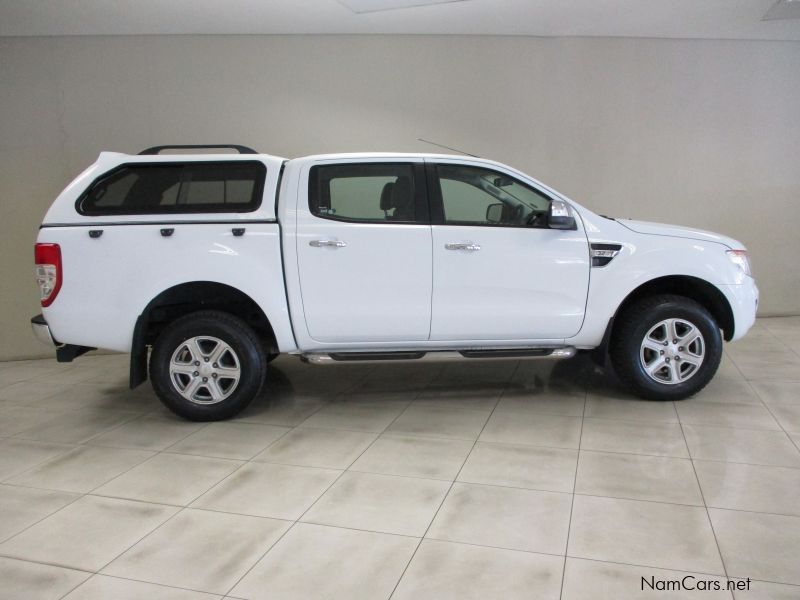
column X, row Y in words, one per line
column 88, row 533
column 475, row 374
column 82, row 469
column 726, row 390
column 202, row 550
column 760, row 590
column 285, row 411
column 660, row 439
column 300, row 566
column 727, row 370
column 637, row 477
column 147, row 433
column 269, row 490
column 750, row 487
column 442, row 422
column 76, row 427
column 747, row 416
column 31, row 581
column 779, row 366
column 788, row 415
column 504, row 518
column 229, row 440
column 25, row 370
column 22, row 507
column 19, row 419
column 667, row 536
column 324, row 448
column 443, row 570
column 102, row 587
column 414, row 457
column 561, row 377
column 170, row 479
column 595, row 580
column 526, row 427
column 383, row 503
column 97, row 396
column 741, row 445
column 549, row 404
column 356, row 416
column 778, row 392
column 17, row 455
column 629, row 409
column 478, row 400
column 757, row 545
column 534, row 467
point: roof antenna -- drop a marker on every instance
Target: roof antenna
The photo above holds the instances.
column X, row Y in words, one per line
column 447, row 147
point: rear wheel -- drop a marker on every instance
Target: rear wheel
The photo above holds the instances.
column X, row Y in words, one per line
column 666, row 347
column 207, row 366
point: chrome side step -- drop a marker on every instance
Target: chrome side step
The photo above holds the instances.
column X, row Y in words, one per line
column 324, row 358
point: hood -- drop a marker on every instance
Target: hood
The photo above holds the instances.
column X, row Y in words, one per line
column 688, row 233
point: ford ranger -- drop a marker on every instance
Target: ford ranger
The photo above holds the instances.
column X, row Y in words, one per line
column 204, row 267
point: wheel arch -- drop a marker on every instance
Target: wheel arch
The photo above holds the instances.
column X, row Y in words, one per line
column 699, row 290
column 185, row 298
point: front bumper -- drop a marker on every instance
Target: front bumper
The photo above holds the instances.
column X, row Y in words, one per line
column 42, row 331
column 743, row 299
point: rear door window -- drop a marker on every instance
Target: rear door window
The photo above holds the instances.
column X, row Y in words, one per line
column 368, row 193
column 176, row 188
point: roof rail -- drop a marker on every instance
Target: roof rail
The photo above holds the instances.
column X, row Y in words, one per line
column 238, row 148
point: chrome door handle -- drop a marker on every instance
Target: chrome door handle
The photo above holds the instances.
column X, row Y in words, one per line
column 327, row 243
column 468, row 246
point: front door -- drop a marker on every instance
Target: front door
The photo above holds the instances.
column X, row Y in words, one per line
column 499, row 273
column 364, row 252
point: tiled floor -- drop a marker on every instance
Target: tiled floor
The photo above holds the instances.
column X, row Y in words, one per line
column 483, row 480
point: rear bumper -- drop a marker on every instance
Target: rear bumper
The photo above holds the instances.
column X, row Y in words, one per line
column 743, row 299
column 42, row 331
column 64, row 352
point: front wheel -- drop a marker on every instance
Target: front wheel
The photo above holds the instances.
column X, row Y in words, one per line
column 207, row 366
column 666, row 347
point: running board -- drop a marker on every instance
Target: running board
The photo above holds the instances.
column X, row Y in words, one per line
column 320, row 358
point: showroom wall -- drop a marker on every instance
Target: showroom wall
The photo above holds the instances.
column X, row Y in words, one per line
column 703, row 133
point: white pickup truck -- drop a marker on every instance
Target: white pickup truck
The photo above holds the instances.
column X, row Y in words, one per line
column 213, row 264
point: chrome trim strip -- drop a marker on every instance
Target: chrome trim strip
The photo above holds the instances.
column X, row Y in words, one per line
column 322, row 358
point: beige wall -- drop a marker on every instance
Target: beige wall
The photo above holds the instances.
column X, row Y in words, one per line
column 704, row 133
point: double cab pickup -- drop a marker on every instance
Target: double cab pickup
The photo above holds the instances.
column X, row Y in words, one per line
column 206, row 266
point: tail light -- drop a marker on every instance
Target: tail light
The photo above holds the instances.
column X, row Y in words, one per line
column 49, row 273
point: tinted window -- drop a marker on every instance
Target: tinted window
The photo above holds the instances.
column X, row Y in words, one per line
column 381, row 192
column 176, row 188
column 478, row 196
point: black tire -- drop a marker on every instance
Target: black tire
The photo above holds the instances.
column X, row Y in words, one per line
column 272, row 356
column 634, row 324
column 231, row 330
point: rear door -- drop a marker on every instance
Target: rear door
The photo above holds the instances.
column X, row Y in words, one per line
column 499, row 273
column 364, row 251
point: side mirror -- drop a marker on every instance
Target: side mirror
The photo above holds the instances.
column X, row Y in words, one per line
column 559, row 216
column 494, row 213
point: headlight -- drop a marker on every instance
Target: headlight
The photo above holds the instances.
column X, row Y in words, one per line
column 739, row 258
